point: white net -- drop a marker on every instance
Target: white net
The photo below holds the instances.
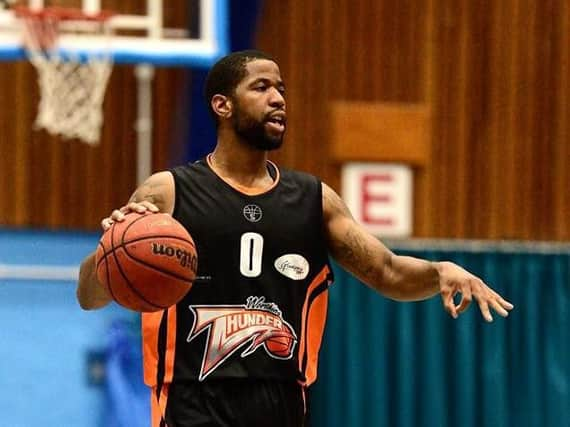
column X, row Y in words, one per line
column 72, row 87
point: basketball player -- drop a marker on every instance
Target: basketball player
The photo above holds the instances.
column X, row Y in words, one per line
column 242, row 346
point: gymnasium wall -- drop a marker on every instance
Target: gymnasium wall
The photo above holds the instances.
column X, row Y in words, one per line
column 57, row 183
column 494, row 76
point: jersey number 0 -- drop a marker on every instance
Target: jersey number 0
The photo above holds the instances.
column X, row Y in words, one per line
column 251, row 252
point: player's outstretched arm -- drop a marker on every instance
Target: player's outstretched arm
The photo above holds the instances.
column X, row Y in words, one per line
column 398, row 277
column 155, row 194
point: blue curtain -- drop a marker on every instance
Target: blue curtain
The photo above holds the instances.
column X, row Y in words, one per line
column 127, row 397
column 385, row 363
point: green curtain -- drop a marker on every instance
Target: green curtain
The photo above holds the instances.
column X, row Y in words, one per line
column 386, row 363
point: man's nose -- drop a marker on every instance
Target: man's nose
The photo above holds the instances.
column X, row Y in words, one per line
column 277, row 99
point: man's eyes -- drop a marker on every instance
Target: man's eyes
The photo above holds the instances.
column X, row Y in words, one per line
column 263, row 88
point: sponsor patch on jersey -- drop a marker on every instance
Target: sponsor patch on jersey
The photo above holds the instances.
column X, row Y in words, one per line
column 252, row 213
column 232, row 327
column 293, row 266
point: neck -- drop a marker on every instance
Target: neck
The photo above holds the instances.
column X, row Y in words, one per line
column 242, row 165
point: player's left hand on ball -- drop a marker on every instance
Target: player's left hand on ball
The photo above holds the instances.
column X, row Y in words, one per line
column 455, row 280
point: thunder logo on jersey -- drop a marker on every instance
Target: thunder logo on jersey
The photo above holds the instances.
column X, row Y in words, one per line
column 230, row 328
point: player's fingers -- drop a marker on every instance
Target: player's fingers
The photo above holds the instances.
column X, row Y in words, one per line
column 498, row 308
column 142, row 206
column 504, row 303
column 466, row 298
column 484, row 307
column 136, row 207
column 447, row 299
column 117, row 215
column 106, row 223
column 507, row 305
column 132, row 207
column 150, row 206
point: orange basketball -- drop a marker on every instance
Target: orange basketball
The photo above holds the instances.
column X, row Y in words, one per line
column 147, row 262
column 280, row 345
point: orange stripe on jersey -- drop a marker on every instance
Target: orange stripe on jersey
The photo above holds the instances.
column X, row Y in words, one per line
column 170, row 345
column 248, row 191
column 158, row 406
column 316, row 325
column 150, row 324
column 312, row 327
column 152, row 353
column 156, row 415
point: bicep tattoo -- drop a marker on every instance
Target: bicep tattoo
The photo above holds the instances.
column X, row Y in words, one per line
column 348, row 243
column 352, row 252
column 149, row 191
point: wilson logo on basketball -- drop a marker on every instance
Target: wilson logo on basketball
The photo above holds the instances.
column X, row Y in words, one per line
column 185, row 258
column 230, row 328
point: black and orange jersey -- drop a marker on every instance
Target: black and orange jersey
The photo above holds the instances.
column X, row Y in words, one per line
column 259, row 306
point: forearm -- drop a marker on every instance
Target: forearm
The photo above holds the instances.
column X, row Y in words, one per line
column 90, row 293
column 362, row 254
column 407, row 278
column 398, row 277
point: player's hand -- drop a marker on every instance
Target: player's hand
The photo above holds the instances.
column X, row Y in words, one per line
column 455, row 280
column 118, row 215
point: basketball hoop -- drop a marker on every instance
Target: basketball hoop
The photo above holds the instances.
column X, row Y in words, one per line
column 72, row 85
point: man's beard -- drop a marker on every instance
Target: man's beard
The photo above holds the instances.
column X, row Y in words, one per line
column 254, row 133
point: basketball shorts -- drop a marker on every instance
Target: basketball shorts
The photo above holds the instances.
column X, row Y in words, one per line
column 230, row 403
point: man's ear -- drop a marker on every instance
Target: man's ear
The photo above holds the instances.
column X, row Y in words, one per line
column 222, row 105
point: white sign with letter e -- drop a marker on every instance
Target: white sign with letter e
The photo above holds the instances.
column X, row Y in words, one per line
column 379, row 195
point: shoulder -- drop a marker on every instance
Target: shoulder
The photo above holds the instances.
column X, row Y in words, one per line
column 296, row 174
column 188, row 169
column 300, row 178
column 192, row 176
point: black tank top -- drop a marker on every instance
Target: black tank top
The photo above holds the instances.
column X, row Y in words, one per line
column 259, row 306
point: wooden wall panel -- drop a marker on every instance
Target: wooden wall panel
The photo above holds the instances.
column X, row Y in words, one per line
column 405, row 130
column 561, row 168
column 53, row 183
column 363, row 50
column 494, row 74
column 503, row 64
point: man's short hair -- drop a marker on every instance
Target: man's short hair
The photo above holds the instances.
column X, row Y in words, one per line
column 227, row 73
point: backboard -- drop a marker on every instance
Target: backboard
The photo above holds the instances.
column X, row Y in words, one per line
column 144, row 36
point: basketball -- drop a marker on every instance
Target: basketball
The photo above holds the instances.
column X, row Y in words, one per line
column 146, row 262
column 280, row 345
